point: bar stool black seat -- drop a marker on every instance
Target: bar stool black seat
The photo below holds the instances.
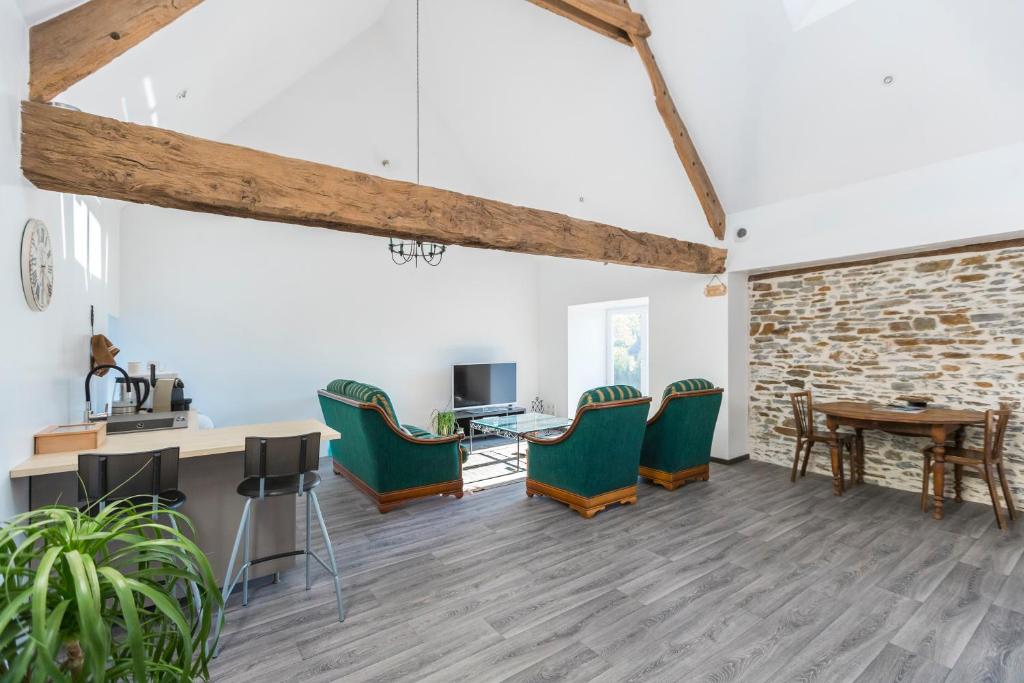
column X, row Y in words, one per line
column 278, row 466
column 278, row 486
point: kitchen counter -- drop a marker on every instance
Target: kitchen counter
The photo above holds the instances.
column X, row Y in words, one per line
column 210, row 469
column 193, row 442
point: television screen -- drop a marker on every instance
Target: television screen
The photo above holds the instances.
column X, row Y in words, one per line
column 483, row 384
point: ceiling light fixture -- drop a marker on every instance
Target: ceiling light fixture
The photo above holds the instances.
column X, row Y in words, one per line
column 403, row 251
column 888, row 80
column 182, row 94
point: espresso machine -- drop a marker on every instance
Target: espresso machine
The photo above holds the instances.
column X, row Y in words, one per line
column 131, row 409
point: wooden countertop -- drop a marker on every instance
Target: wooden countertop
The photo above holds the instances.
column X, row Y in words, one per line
column 193, row 442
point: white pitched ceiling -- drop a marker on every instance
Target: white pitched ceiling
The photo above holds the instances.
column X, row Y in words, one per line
column 803, row 13
column 550, row 111
column 229, row 56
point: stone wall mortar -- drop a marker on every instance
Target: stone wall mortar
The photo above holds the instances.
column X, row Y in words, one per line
column 950, row 327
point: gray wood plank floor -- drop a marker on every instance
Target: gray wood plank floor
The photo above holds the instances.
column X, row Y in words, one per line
column 743, row 578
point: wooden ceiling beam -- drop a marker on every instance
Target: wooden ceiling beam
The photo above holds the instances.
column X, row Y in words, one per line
column 616, row 14
column 564, row 9
column 69, row 47
column 614, row 17
column 75, row 152
column 681, row 140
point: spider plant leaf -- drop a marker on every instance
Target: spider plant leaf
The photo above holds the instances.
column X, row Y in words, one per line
column 13, row 608
column 126, row 600
column 170, row 609
column 22, row 660
column 45, row 668
column 40, row 593
column 90, row 617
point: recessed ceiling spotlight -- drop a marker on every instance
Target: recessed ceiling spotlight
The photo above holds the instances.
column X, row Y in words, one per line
column 385, row 162
column 182, row 94
column 888, row 80
column 581, row 199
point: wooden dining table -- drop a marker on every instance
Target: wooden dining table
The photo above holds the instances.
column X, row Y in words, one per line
column 938, row 424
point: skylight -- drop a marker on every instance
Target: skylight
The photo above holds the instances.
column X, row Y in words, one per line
column 803, row 13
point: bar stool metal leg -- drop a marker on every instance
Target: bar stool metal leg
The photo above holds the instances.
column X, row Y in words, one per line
column 193, row 588
column 309, row 518
column 229, row 579
column 330, row 554
column 245, row 565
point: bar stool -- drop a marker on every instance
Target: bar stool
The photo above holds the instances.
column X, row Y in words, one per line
column 279, row 466
column 143, row 478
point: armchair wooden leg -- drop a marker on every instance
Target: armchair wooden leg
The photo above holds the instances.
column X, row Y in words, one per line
column 1007, row 494
column 586, row 513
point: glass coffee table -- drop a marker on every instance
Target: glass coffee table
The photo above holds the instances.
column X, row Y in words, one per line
column 516, row 427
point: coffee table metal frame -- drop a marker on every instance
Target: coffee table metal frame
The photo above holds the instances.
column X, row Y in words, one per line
column 515, row 427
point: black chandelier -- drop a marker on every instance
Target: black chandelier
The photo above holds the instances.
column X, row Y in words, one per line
column 404, row 251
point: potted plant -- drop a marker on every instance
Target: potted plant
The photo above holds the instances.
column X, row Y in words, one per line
column 93, row 596
column 443, row 422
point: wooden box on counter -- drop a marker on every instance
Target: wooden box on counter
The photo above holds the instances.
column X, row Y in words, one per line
column 82, row 437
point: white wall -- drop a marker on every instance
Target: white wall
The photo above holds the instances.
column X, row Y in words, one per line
column 687, row 330
column 45, row 355
column 257, row 316
column 586, row 355
column 976, row 197
column 739, row 368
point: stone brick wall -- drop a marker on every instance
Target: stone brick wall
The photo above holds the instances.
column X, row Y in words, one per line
column 950, row 327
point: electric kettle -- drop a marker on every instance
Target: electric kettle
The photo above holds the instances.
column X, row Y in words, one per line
column 128, row 398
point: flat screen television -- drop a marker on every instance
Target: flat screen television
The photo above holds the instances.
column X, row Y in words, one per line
column 483, row 384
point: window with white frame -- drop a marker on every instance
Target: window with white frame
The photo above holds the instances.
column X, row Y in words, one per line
column 608, row 344
column 626, row 345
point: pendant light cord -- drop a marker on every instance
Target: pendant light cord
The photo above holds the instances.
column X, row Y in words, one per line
column 417, row 92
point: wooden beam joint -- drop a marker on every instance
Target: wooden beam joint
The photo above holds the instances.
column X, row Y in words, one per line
column 615, row 19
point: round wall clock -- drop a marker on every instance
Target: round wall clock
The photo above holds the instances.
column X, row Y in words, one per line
column 37, row 265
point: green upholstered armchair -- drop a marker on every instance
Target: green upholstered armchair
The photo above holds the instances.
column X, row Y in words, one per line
column 595, row 463
column 388, row 461
column 677, row 445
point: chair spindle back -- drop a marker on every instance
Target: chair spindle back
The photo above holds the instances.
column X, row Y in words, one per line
column 803, row 412
column 995, row 431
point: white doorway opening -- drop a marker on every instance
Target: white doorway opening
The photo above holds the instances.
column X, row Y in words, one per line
column 609, row 343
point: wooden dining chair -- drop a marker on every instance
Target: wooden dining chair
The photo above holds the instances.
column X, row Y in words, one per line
column 988, row 461
column 807, row 436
